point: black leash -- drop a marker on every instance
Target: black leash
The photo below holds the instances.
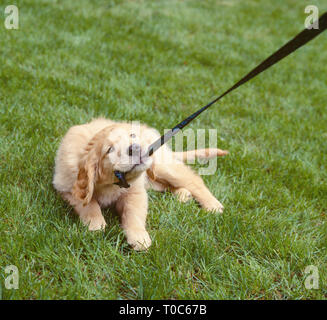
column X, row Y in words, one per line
column 298, row 41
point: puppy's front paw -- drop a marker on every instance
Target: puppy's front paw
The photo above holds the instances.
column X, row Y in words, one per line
column 214, row 206
column 138, row 239
column 95, row 223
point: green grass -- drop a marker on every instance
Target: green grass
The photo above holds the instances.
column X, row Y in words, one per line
column 157, row 61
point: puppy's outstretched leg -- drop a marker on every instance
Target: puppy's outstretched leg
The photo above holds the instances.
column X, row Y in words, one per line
column 90, row 214
column 179, row 176
column 133, row 208
column 207, row 153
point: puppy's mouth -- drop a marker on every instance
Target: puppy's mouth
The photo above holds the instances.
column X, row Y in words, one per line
column 141, row 164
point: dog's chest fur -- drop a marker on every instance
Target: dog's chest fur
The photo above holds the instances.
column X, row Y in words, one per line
column 108, row 195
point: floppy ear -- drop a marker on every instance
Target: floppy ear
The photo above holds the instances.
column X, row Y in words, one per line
column 84, row 185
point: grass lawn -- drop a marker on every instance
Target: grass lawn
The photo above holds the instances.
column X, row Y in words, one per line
column 158, row 61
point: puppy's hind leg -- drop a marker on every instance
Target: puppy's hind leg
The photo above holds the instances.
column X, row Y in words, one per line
column 182, row 194
column 179, row 176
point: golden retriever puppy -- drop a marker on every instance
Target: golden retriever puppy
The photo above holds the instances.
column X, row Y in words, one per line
column 84, row 174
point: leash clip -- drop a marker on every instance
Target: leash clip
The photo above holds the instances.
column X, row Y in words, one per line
column 122, row 183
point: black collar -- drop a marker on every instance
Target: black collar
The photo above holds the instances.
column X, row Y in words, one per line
column 121, row 179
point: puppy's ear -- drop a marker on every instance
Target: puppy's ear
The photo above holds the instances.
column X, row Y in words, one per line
column 84, row 185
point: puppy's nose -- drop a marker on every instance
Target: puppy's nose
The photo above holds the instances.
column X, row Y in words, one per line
column 134, row 149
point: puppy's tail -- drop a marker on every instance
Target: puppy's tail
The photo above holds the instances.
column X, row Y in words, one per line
column 200, row 154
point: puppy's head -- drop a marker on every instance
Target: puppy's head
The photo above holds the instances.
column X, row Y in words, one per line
column 119, row 147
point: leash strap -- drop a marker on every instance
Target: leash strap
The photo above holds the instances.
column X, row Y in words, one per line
column 298, row 41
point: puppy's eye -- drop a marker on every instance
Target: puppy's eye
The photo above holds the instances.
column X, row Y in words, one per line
column 132, row 135
column 111, row 149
